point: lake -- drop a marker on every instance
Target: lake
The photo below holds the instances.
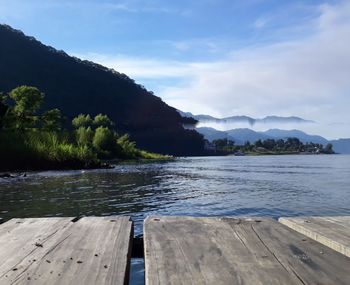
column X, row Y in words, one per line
column 271, row 186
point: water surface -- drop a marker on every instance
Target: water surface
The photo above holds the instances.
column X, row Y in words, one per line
column 206, row 186
column 271, row 186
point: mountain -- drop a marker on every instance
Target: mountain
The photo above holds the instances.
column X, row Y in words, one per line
column 245, row 119
column 212, row 134
column 77, row 86
column 240, row 136
column 202, row 118
column 283, row 134
column 245, row 135
column 283, row 120
column 341, row 146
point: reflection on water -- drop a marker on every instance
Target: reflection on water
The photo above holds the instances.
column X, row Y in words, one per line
column 207, row 186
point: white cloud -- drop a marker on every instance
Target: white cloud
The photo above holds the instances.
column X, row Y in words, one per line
column 308, row 77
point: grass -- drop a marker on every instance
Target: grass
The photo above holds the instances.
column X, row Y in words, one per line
column 42, row 150
column 39, row 150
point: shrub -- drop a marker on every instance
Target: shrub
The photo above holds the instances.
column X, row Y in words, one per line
column 103, row 121
column 82, row 121
column 104, row 140
column 84, row 136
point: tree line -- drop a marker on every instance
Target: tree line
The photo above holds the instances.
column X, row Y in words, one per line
column 279, row 146
column 33, row 139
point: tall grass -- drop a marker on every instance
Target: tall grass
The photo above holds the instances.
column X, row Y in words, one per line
column 37, row 149
column 42, row 150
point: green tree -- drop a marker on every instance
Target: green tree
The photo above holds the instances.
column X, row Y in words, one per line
column 328, row 148
column 269, row 144
column 220, row 143
column 84, row 136
column 52, row 120
column 82, row 121
column 104, row 139
column 127, row 148
column 27, row 101
column 101, row 120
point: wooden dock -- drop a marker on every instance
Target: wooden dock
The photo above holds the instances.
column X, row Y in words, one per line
column 185, row 250
column 333, row 232
column 177, row 250
column 61, row 251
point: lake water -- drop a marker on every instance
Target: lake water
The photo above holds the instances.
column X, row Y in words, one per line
column 271, row 186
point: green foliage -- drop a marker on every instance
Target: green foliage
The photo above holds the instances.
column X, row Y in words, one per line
column 26, row 144
column 220, row 143
column 150, row 155
column 84, row 136
column 101, row 120
column 56, row 148
column 104, row 140
column 128, row 147
column 328, row 149
column 42, row 150
column 52, row 120
column 27, row 101
column 82, row 121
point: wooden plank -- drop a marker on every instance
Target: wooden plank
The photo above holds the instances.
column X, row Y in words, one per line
column 333, row 232
column 18, row 239
column 93, row 250
column 186, row 250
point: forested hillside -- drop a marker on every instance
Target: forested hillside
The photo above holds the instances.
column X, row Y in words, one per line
column 75, row 86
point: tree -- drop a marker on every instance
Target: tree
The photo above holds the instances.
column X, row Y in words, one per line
column 258, row 143
column 84, row 136
column 280, row 144
column 329, row 148
column 293, row 144
column 104, row 139
column 269, row 144
column 82, row 121
column 101, row 120
column 27, row 101
column 126, row 147
column 52, row 120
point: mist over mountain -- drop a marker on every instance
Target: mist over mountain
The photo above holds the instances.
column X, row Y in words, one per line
column 246, row 119
column 75, row 86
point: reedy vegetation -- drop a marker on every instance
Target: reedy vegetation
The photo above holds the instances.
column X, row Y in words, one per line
column 29, row 140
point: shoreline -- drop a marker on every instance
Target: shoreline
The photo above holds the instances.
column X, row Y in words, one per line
column 13, row 173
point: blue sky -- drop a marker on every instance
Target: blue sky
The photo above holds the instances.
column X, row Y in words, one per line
column 221, row 57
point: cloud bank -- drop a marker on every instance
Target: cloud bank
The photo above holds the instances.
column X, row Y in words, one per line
column 307, row 76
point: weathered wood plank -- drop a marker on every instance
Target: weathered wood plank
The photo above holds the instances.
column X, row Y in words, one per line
column 185, row 250
column 93, row 250
column 333, row 232
column 22, row 237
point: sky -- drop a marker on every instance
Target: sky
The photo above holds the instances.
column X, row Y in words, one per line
column 216, row 57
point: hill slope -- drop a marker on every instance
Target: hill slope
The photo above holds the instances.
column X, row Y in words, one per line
column 76, row 86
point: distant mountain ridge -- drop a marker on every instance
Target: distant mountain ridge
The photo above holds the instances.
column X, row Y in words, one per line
column 76, row 86
column 246, row 119
column 240, row 136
